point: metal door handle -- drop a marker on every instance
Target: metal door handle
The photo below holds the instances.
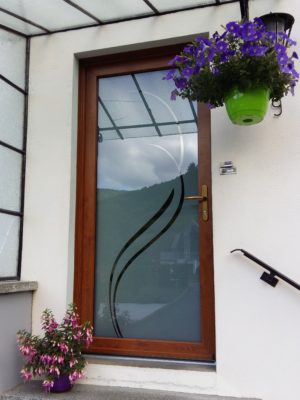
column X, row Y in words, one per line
column 203, row 199
column 199, row 198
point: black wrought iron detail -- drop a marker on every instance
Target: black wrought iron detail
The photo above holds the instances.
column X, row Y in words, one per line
column 271, row 277
column 110, row 118
column 137, row 17
column 10, row 83
column 146, row 246
column 10, row 147
column 27, row 21
column 175, row 123
column 146, row 105
column 15, row 32
column 83, row 10
column 244, row 6
column 10, row 212
column 193, row 112
column 150, row 5
column 278, row 106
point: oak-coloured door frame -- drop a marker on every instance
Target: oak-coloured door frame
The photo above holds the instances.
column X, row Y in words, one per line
column 89, row 73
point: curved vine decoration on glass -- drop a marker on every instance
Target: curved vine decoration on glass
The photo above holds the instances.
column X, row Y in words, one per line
column 146, row 226
column 125, row 268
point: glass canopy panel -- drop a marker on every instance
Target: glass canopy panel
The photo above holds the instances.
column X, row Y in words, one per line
column 103, row 119
column 18, row 25
column 11, row 115
column 168, row 5
column 157, row 94
column 178, row 129
column 12, row 59
column 10, row 179
column 9, row 245
column 138, row 132
column 52, row 15
column 114, row 9
column 122, row 101
column 110, row 134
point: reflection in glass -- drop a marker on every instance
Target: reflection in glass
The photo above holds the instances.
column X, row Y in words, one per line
column 9, row 245
column 10, row 179
column 147, row 257
column 11, row 115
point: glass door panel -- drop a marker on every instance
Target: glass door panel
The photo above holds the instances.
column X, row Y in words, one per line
column 147, row 269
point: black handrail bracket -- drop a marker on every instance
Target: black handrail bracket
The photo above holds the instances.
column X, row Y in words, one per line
column 270, row 277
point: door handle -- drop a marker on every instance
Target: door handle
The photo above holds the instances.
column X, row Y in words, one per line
column 203, row 199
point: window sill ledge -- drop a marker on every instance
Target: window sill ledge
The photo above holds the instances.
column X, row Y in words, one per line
column 17, row 286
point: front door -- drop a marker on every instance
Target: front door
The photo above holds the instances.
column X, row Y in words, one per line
column 143, row 240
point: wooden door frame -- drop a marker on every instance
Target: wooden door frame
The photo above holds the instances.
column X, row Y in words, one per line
column 89, row 72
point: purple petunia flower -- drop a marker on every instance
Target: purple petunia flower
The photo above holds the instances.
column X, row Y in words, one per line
column 271, row 37
column 175, row 59
column 259, row 22
column 249, row 32
column 170, row 74
column 189, row 49
column 233, row 27
column 280, row 48
column 181, row 83
column 187, row 72
column 284, row 36
column 282, row 59
column 211, row 53
column 200, row 60
column 221, row 46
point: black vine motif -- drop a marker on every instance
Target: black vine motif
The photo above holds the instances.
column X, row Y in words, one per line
column 112, row 302
column 147, row 225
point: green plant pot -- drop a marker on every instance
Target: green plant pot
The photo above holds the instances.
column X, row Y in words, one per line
column 248, row 107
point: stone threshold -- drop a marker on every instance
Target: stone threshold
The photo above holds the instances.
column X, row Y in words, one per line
column 17, row 286
column 33, row 391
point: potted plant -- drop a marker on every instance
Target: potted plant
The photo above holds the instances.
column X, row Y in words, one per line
column 244, row 67
column 57, row 355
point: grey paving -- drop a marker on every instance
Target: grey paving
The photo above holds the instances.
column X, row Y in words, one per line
column 33, row 391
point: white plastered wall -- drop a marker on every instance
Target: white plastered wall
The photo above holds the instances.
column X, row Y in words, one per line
column 258, row 340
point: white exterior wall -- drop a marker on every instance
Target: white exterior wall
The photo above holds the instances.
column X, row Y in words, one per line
column 257, row 327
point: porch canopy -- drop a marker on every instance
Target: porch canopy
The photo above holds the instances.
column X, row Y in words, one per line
column 41, row 17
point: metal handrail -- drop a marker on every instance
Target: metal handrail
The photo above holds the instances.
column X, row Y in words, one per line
column 270, row 277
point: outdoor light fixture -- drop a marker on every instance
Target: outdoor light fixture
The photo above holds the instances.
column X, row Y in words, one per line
column 278, row 22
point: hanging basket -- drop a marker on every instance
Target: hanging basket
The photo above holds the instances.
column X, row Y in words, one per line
column 248, row 107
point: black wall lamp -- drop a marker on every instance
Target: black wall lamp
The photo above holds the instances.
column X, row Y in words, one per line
column 278, row 22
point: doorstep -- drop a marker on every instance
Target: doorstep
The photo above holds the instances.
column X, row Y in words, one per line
column 33, row 391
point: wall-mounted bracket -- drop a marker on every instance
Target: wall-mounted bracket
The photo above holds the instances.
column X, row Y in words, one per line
column 270, row 279
column 244, row 6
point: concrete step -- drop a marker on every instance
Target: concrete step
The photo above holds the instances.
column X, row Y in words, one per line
column 33, row 391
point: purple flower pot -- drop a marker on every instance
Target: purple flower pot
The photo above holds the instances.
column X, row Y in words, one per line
column 61, row 384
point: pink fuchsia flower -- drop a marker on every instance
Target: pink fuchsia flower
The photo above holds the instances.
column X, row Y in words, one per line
column 46, row 359
column 89, row 336
column 73, row 362
column 27, row 375
column 52, row 326
column 78, row 335
column 48, row 384
column 63, row 347
column 54, row 370
column 75, row 375
column 60, row 359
